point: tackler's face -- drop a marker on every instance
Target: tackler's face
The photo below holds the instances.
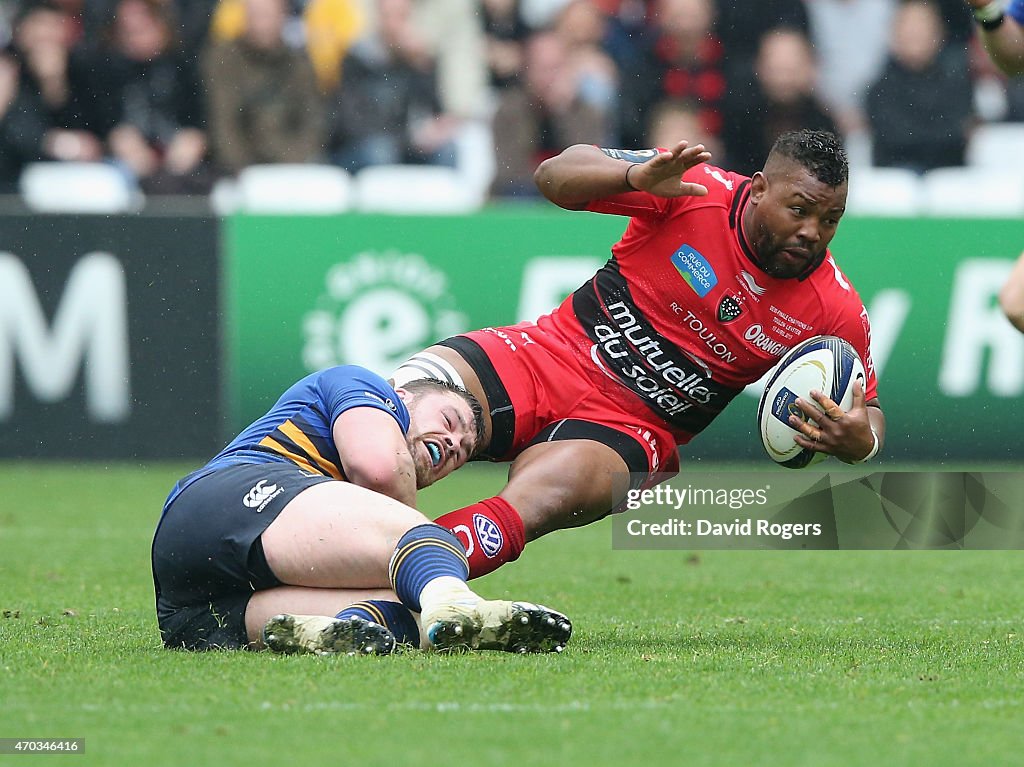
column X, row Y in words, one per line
column 442, row 434
column 794, row 219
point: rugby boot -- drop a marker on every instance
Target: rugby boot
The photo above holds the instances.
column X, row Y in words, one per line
column 321, row 635
column 520, row 627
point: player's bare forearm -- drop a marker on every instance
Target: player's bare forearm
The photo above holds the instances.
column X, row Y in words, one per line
column 374, row 453
column 397, row 480
column 1005, row 43
column 877, row 419
column 584, row 172
column 1006, row 47
column 580, row 174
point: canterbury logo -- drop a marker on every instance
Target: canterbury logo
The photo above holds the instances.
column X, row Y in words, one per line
column 260, row 494
column 753, row 286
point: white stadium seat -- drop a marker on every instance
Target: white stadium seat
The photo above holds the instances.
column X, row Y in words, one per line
column 415, row 189
column 997, row 145
column 859, row 146
column 291, row 189
column 225, row 198
column 475, row 159
column 78, row 187
column 883, row 192
column 973, row 192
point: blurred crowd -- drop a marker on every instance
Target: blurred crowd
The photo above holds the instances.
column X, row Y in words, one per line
column 180, row 93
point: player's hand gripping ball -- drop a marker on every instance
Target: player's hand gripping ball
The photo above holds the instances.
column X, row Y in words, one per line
column 826, row 363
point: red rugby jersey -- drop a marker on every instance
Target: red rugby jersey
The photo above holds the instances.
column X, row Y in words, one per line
column 682, row 316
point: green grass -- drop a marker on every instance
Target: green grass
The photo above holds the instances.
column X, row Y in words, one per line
column 718, row 657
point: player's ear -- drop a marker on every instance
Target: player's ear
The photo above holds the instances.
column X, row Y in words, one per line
column 758, row 187
column 404, row 394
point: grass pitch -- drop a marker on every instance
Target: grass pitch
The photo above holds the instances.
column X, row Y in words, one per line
column 709, row 658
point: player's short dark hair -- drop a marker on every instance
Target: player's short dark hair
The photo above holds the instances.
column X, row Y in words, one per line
column 820, row 152
column 432, row 385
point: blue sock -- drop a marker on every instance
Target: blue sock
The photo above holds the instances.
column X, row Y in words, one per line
column 395, row 616
column 424, row 553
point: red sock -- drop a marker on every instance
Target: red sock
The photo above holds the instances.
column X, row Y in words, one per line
column 492, row 532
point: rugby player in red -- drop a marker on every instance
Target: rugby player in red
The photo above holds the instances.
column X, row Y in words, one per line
column 715, row 278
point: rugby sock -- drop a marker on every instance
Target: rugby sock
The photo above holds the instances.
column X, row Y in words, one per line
column 393, row 615
column 429, row 564
column 492, row 532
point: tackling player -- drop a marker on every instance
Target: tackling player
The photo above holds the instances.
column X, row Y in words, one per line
column 1003, row 36
column 292, row 534
column 715, row 278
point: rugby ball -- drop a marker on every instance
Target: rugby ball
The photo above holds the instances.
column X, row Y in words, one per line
column 826, row 363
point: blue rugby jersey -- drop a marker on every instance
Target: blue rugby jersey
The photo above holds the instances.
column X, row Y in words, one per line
column 1016, row 10
column 298, row 427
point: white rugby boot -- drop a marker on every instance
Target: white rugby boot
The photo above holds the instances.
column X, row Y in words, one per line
column 520, row 627
column 321, row 635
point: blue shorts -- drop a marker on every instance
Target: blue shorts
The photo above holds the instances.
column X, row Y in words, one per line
column 207, row 556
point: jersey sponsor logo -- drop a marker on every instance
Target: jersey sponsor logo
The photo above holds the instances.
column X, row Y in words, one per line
column 730, row 307
column 717, row 176
column 489, row 535
column 695, row 270
column 629, row 336
column 675, row 384
column 748, row 279
column 705, row 334
column 260, row 495
column 631, row 155
column 761, row 340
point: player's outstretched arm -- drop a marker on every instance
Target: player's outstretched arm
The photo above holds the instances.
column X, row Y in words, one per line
column 1004, row 43
column 374, row 453
column 584, row 172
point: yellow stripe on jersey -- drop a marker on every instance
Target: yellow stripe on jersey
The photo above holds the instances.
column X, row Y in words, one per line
column 299, row 437
column 277, row 447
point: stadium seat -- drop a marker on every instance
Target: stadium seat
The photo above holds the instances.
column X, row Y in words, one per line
column 967, row 191
column 415, row 189
column 225, row 198
column 859, row 146
column 883, row 192
column 291, row 189
column 997, row 145
column 475, row 160
column 78, row 187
